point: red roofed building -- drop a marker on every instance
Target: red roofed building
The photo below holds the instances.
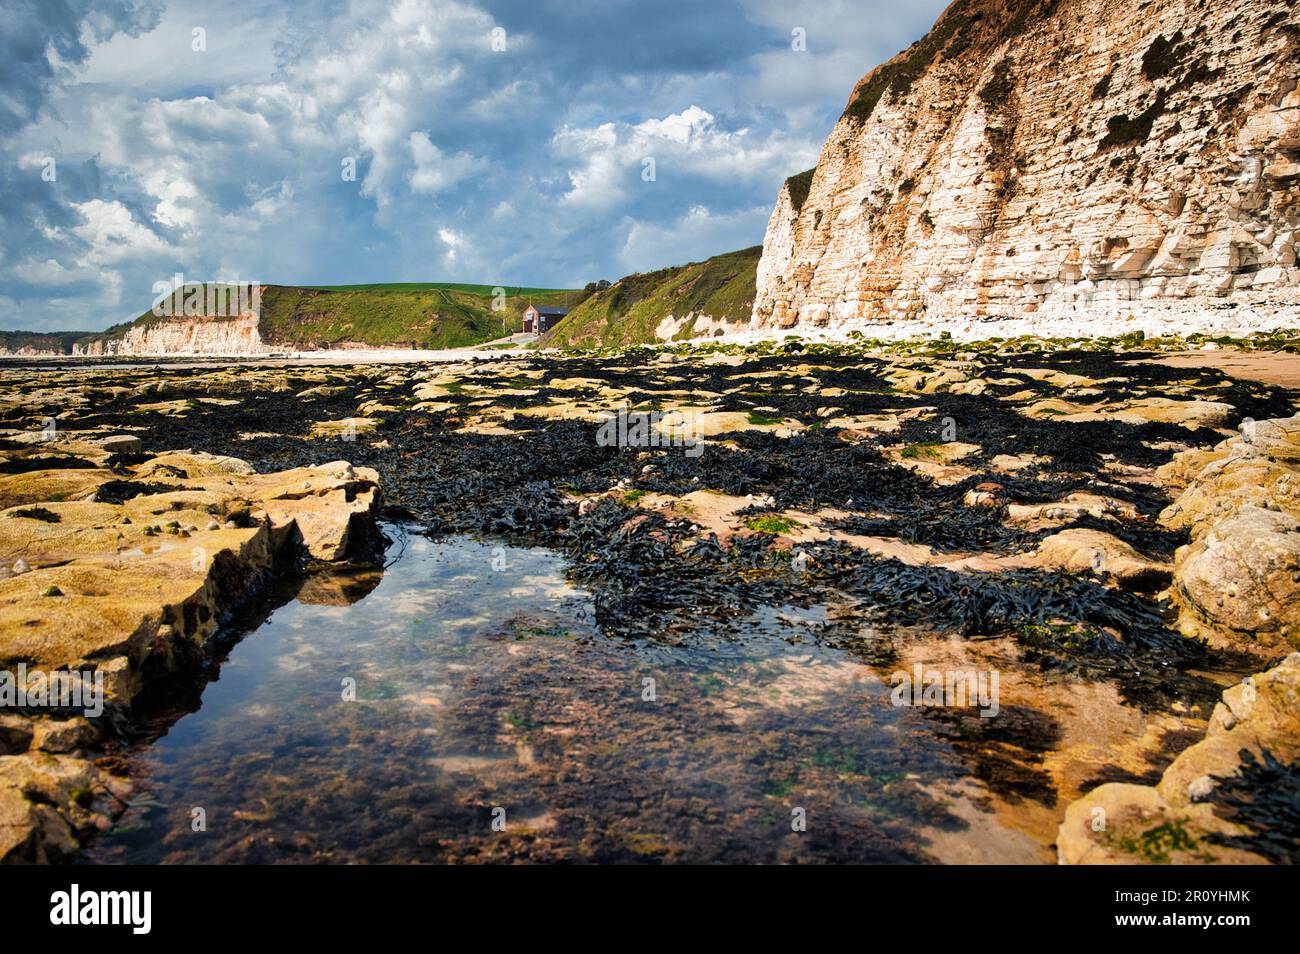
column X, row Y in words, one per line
column 540, row 320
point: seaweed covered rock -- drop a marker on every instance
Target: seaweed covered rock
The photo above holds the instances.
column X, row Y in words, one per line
column 1229, row 799
column 1237, row 583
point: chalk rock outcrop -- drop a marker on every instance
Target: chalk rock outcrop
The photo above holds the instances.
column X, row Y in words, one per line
column 198, row 335
column 1088, row 165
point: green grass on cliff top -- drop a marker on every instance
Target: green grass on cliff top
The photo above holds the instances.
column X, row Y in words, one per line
column 422, row 315
column 405, row 314
column 485, row 290
column 629, row 311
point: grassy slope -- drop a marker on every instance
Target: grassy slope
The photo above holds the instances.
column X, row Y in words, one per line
column 484, row 290
column 629, row 310
column 423, row 314
column 426, row 316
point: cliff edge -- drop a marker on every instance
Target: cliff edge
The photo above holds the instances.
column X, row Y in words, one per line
column 1071, row 162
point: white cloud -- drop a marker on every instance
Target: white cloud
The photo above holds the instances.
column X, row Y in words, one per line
column 612, row 156
column 240, row 48
column 435, row 172
column 520, row 167
column 113, row 235
column 175, row 195
column 452, row 240
column 844, row 40
column 694, row 236
column 47, row 272
column 596, row 180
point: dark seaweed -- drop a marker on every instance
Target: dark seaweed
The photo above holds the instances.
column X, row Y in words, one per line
column 120, row 491
column 27, row 465
column 1263, row 796
column 37, row 513
column 647, row 584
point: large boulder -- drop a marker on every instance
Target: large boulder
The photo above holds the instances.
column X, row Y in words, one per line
column 48, row 802
column 1228, row 482
column 1261, row 466
column 1081, row 550
column 1239, row 584
column 328, row 524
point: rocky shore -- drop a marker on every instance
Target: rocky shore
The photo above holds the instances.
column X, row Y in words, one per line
column 1236, row 585
column 1112, row 533
column 120, row 566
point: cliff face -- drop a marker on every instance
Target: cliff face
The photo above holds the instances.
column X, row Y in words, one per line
column 292, row 318
column 35, row 343
column 1070, row 162
column 198, row 335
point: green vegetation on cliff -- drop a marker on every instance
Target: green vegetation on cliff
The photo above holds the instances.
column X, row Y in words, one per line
column 40, row 342
column 798, row 187
column 962, row 25
column 411, row 315
column 629, row 311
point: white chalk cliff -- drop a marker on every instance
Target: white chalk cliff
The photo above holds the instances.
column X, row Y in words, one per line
column 189, row 335
column 1073, row 162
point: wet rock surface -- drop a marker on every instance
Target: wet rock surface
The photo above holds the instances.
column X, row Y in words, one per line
column 120, row 569
column 915, row 503
column 1229, row 799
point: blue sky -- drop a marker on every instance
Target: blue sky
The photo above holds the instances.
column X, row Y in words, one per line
column 493, row 141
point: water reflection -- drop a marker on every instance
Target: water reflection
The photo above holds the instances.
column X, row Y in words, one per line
column 469, row 679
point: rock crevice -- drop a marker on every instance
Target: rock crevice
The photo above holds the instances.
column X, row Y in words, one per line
column 122, row 572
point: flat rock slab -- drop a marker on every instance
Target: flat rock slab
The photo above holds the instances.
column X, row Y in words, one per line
column 122, row 444
column 97, row 585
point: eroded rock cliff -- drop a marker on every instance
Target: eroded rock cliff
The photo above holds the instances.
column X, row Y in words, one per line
column 196, row 335
column 1073, row 162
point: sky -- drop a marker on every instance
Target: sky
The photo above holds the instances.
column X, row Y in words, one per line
column 545, row 143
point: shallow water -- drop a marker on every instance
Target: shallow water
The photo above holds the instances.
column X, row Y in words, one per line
column 486, row 698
